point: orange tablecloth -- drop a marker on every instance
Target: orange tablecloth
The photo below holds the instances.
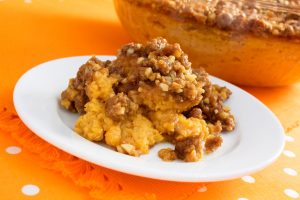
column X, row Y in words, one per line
column 34, row 31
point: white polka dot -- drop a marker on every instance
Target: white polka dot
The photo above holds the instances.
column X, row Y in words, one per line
column 290, row 171
column 242, row 198
column 13, row 150
column 291, row 193
column 30, row 190
column 27, row 1
column 248, row 179
column 289, row 138
column 289, row 153
column 202, row 189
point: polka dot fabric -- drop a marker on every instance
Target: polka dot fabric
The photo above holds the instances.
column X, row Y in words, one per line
column 13, row 150
column 30, row 190
column 34, row 31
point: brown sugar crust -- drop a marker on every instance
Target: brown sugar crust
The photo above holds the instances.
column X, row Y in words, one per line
column 212, row 142
column 119, row 106
column 167, row 154
column 189, row 149
column 275, row 17
column 147, row 95
column 213, row 109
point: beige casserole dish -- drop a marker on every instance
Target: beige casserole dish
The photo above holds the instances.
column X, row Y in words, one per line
column 252, row 43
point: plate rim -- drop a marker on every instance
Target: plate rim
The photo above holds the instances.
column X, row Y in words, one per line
column 238, row 174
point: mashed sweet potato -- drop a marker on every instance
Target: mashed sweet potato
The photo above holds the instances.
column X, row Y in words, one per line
column 149, row 94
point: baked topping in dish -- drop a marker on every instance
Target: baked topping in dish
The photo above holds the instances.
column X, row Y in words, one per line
column 147, row 95
column 261, row 17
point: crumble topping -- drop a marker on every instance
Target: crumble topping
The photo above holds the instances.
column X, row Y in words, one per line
column 274, row 17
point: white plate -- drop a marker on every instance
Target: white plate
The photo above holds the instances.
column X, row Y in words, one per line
column 257, row 141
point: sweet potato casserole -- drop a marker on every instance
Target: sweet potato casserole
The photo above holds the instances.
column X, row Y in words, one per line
column 149, row 94
column 247, row 42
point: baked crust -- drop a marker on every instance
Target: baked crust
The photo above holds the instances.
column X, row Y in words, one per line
column 242, row 58
column 258, row 17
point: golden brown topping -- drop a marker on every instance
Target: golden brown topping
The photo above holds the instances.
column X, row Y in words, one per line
column 189, row 149
column 120, row 106
column 162, row 64
column 213, row 109
column 167, row 154
column 215, row 128
column 258, row 17
column 212, row 143
column 196, row 113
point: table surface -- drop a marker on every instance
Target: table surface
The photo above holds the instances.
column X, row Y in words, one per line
column 35, row 31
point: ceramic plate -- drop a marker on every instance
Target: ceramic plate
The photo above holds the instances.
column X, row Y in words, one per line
column 256, row 142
